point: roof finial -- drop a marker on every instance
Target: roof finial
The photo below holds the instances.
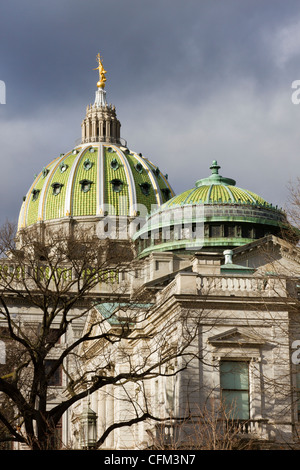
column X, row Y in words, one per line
column 100, row 98
column 215, row 168
column 102, row 72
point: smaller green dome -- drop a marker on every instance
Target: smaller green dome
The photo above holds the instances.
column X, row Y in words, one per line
column 214, row 215
column 214, row 190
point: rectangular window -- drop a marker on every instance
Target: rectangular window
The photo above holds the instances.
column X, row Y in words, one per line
column 56, row 378
column 234, row 382
column 230, row 231
column 53, row 333
column 216, row 231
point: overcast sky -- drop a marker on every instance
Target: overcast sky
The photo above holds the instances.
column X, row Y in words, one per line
column 192, row 81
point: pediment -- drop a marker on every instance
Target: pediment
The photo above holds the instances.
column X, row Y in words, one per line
column 235, row 337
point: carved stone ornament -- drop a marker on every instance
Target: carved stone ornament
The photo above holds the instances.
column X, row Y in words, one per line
column 117, row 185
column 63, row 167
column 145, row 188
column 85, row 185
column 56, row 187
column 114, row 164
column 87, row 164
column 35, row 194
column 45, row 172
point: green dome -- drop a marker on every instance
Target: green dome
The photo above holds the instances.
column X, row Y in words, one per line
column 216, row 189
column 94, row 179
column 214, row 215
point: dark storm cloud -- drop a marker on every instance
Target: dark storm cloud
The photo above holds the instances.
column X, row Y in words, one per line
column 192, row 80
column 48, row 48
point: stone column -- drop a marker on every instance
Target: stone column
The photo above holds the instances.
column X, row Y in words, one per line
column 107, row 130
column 93, row 137
column 110, row 414
column 87, row 127
column 114, row 130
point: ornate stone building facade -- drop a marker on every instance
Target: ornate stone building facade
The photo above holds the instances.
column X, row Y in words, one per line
column 215, row 274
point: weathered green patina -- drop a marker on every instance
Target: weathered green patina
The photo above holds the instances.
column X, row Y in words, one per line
column 213, row 215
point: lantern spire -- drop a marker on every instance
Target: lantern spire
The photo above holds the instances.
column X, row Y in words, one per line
column 100, row 123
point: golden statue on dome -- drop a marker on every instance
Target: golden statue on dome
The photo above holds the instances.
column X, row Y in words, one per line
column 102, row 72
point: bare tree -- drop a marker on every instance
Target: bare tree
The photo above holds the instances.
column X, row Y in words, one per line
column 211, row 427
column 50, row 295
column 277, row 263
column 76, row 316
column 293, row 207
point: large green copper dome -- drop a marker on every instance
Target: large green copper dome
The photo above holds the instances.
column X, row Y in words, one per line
column 214, row 215
column 94, row 179
column 100, row 177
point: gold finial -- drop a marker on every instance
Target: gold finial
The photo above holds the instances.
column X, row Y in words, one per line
column 102, row 72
